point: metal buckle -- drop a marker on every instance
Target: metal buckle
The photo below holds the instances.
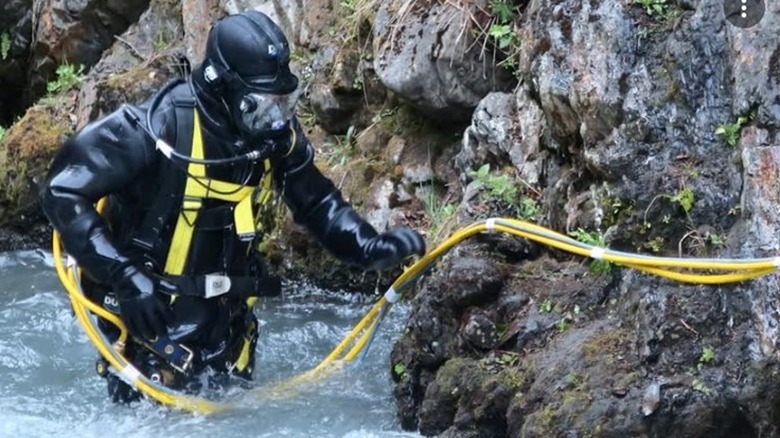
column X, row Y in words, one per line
column 178, row 356
column 186, row 367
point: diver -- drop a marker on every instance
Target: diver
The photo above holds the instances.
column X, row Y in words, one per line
column 189, row 178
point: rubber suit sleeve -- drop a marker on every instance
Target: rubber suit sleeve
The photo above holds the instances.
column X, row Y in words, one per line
column 317, row 204
column 101, row 159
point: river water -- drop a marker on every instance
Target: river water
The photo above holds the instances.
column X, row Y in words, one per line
column 48, row 386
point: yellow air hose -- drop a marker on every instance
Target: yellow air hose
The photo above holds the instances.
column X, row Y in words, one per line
column 356, row 342
column 744, row 269
column 113, row 353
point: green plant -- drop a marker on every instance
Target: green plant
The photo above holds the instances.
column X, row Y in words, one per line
column 5, row 45
column 529, row 209
column 495, row 188
column 502, row 33
column 68, row 77
column 343, row 149
column 715, row 239
column 690, row 171
column 655, row 244
column 594, row 238
column 399, row 369
column 507, row 359
column 652, row 7
column 496, row 34
column 357, row 83
column 352, row 22
column 160, row 42
column 502, row 11
column 439, row 213
column 546, row 307
column 574, row 379
column 698, row 240
column 349, row 5
column 707, row 355
column 730, row 131
column 2, row 133
column 685, row 198
column 698, row 385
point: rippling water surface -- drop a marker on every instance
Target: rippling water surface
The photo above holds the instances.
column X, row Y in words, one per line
column 48, row 386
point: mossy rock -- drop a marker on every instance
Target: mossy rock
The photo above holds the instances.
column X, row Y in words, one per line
column 25, row 154
column 132, row 86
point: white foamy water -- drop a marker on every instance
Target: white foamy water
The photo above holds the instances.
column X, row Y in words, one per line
column 48, row 386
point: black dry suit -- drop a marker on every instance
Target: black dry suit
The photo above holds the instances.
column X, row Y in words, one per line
column 114, row 158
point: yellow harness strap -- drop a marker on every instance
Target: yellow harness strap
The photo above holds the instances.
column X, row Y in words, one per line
column 182, row 234
column 199, row 187
column 246, row 221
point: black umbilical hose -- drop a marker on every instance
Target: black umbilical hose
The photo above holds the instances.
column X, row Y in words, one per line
column 167, row 149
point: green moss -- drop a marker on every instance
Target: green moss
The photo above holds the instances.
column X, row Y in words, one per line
column 405, row 120
column 602, row 347
column 128, row 81
column 628, row 380
column 452, row 371
column 547, row 416
column 616, row 211
column 135, row 84
column 655, row 244
column 514, row 378
column 560, row 414
column 25, row 153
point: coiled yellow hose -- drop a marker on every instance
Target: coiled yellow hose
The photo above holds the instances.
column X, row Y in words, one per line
column 359, row 338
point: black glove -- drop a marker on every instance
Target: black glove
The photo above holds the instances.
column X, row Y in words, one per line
column 390, row 248
column 143, row 311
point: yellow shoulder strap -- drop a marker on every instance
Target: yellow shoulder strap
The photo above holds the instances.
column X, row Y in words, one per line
column 185, row 224
column 199, row 187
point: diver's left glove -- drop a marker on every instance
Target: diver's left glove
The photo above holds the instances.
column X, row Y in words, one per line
column 390, row 248
column 142, row 309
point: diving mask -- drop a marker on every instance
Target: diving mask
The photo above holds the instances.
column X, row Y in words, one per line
column 262, row 115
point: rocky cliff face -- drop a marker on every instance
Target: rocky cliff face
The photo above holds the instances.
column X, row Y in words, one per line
column 655, row 129
column 647, row 126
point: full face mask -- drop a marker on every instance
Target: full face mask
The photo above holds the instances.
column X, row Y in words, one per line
column 259, row 115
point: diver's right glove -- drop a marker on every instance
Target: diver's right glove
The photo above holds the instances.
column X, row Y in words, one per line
column 390, row 248
column 142, row 309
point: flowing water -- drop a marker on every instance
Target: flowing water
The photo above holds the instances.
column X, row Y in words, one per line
column 48, row 386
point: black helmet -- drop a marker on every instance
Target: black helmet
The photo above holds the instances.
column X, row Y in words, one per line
column 247, row 67
column 248, row 50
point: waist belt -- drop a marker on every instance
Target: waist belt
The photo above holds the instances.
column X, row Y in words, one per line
column 214, row 285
